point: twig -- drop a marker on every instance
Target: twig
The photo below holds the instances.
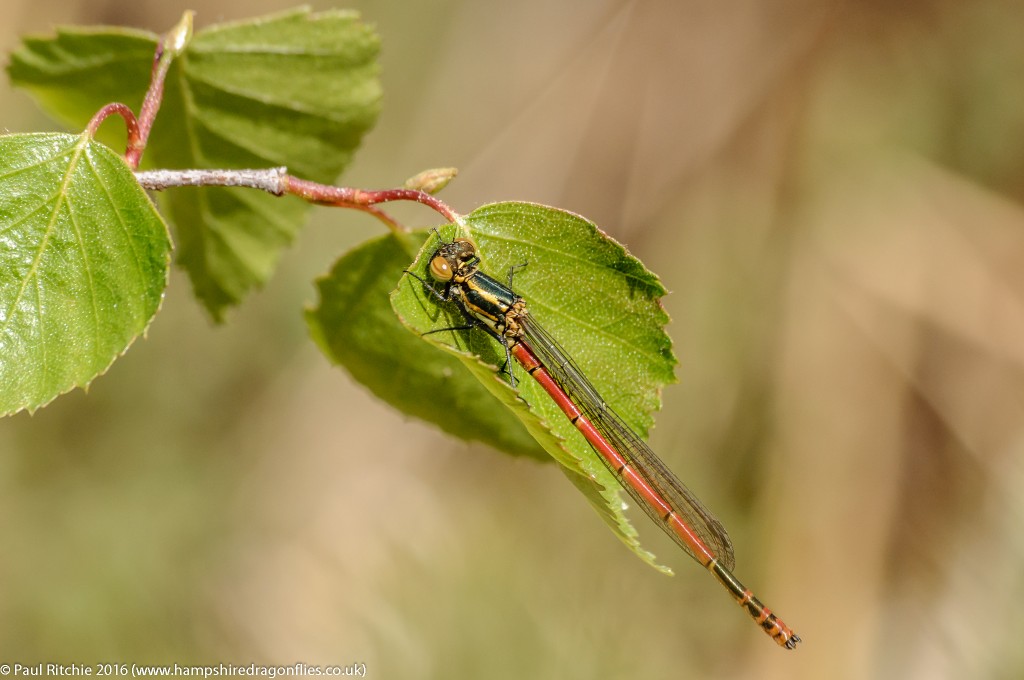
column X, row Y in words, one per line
column 278, row 182
column 270, row 180
column 170, row 46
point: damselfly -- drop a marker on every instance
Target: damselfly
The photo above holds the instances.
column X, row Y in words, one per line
column 496, row 308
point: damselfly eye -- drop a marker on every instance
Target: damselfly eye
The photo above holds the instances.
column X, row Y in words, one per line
column 440, row 269
column 463, row 250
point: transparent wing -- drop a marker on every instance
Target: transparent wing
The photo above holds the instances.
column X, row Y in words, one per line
column 633, row 449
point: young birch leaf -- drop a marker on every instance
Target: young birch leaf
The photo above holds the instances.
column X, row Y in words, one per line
column 75, row 73
column 602, row 305
column 83, row 264
column 297, row 89
column 356, row 328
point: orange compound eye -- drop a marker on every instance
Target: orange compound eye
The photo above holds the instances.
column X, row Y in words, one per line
column 441, row 270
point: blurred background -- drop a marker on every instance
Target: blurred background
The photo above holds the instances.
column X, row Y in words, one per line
column 832, row 192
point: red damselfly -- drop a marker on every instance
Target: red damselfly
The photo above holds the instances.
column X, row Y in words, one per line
column 496, row 308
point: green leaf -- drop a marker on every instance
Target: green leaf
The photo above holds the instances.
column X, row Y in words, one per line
column 602, row 305
column 297, row 89
column 356, row 328
column 83, row 264
column 80, row 70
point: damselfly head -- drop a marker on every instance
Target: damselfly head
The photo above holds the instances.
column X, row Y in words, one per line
column 455, row 260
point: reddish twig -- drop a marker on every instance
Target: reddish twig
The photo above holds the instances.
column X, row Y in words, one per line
column 278, row 182
column 354, row 198
column 170, row 46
